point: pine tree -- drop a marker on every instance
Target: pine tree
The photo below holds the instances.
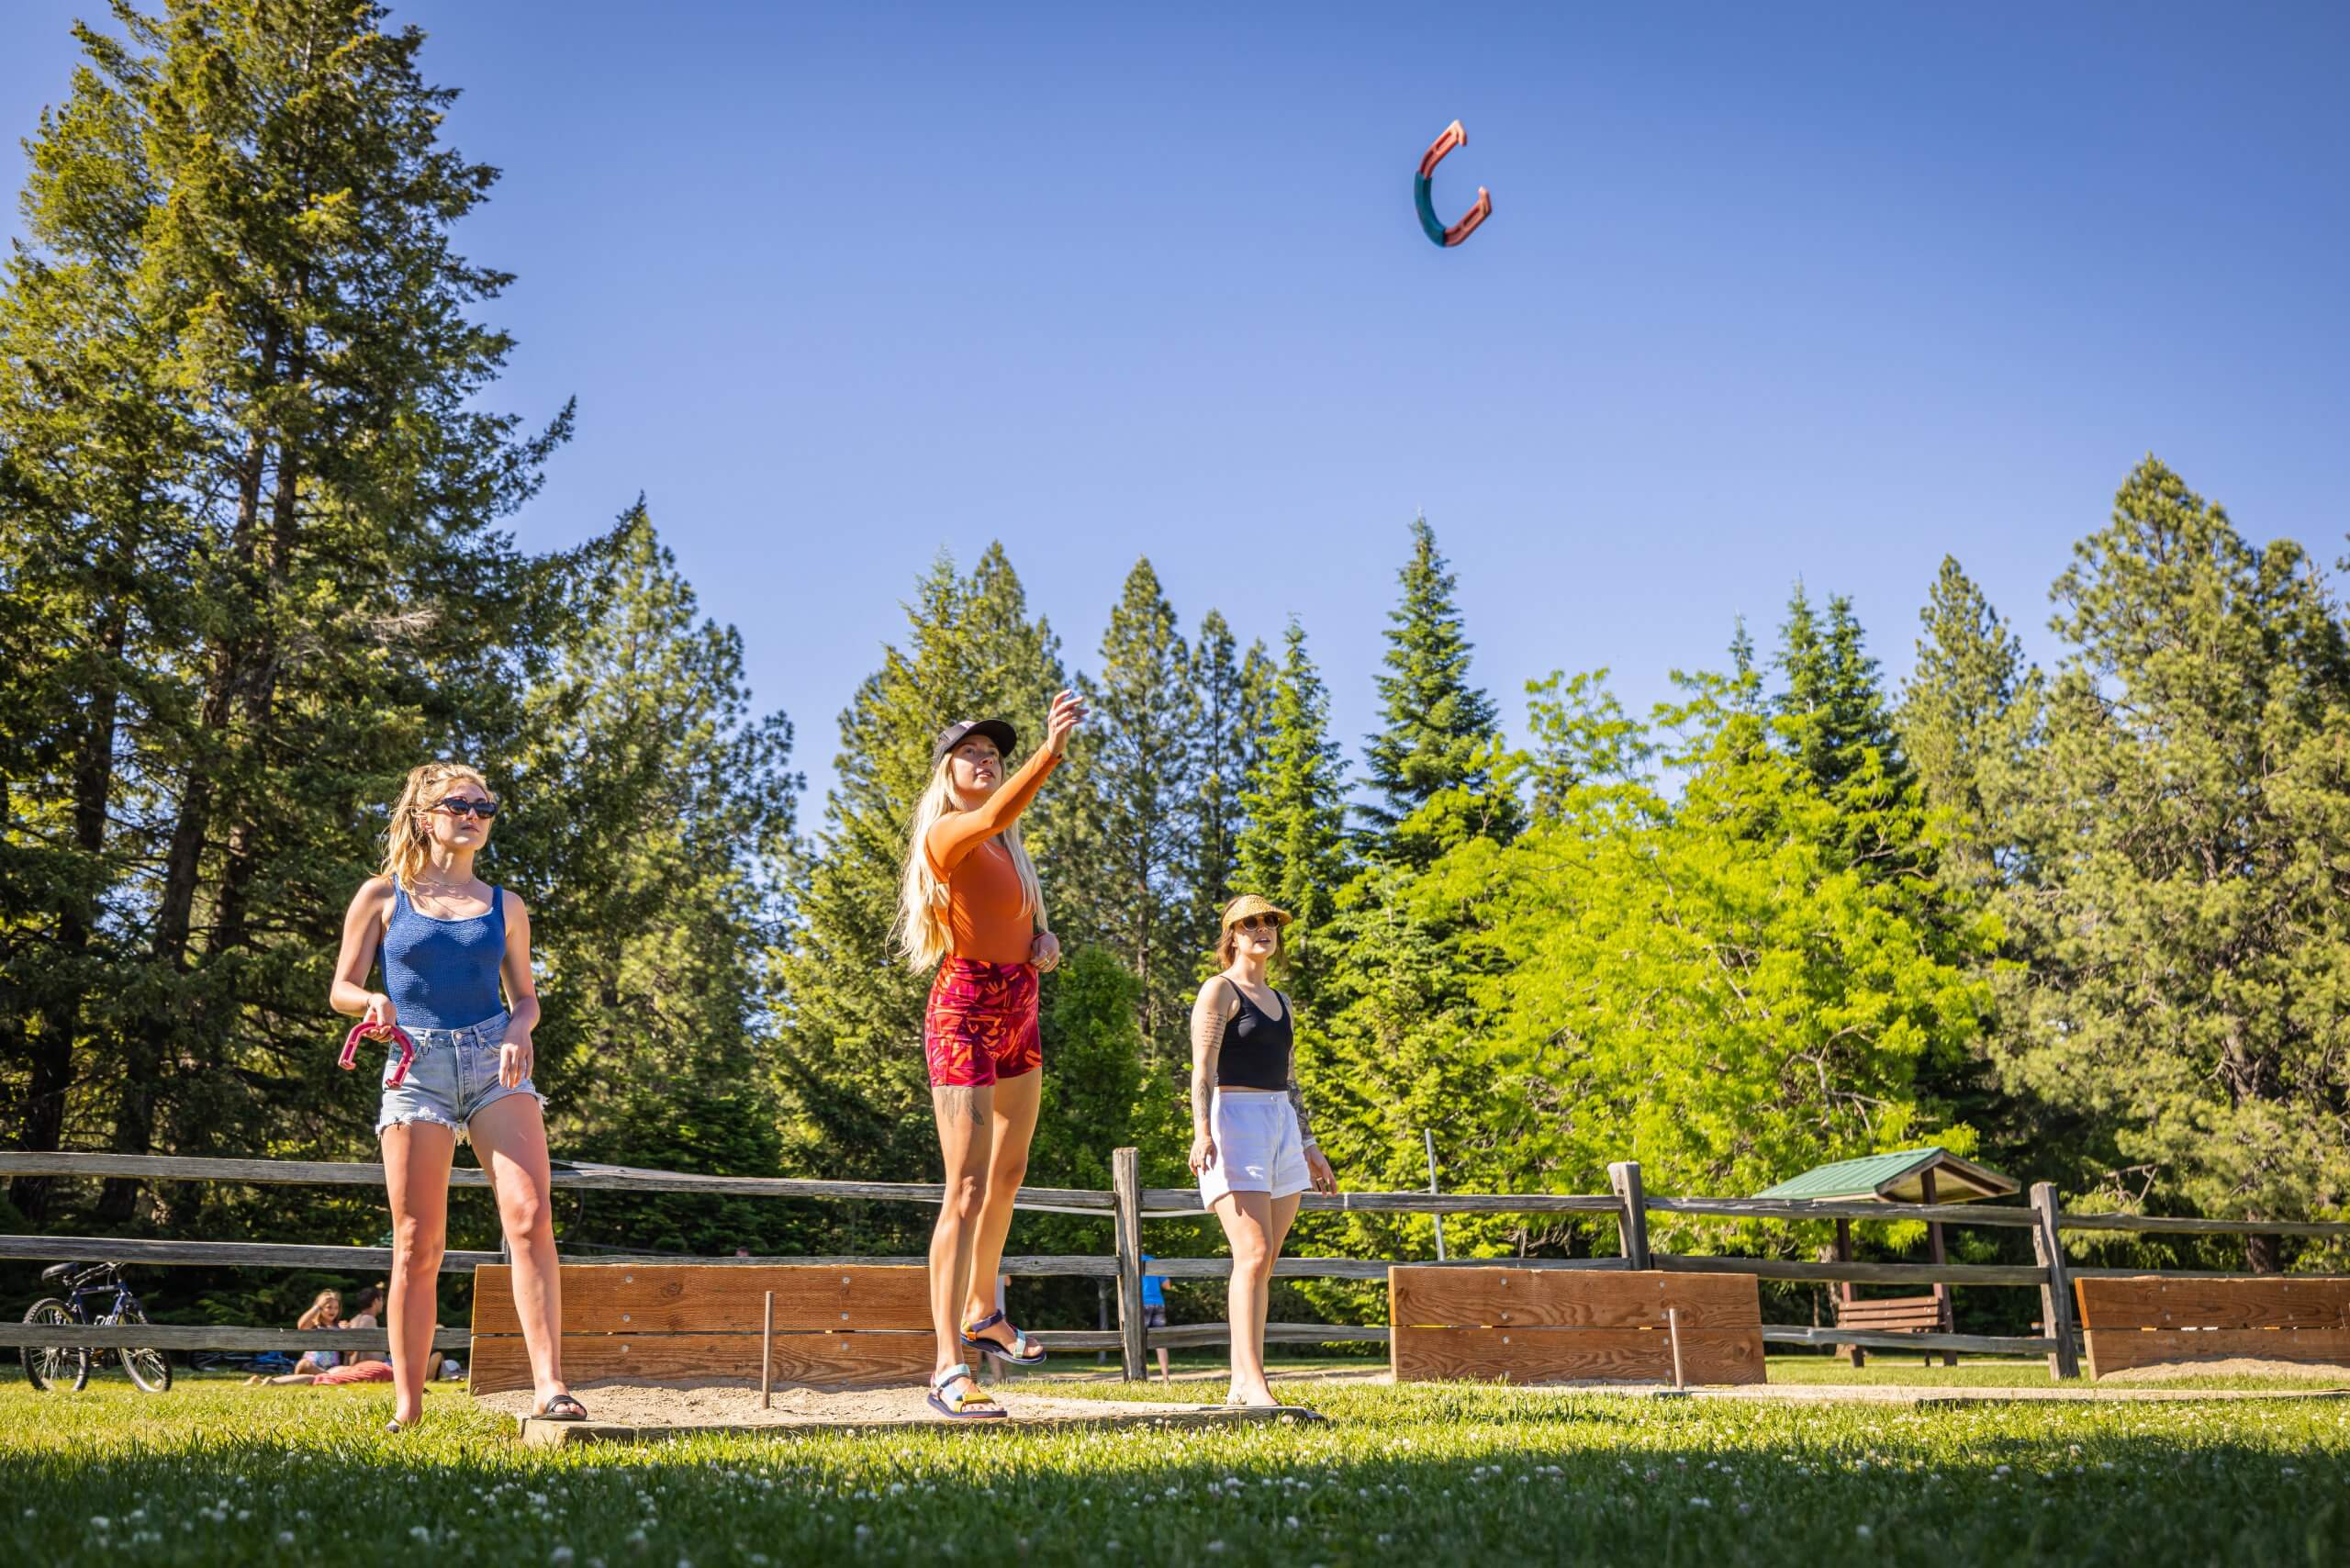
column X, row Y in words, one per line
column 1231, row 690
column 2176, row 892
column 90, row 437
column 1833, row 708
column 248, row 214
column 1292, row 850
column 1441, row 735
column 849, row 1011
column 1954, row 718
column 651, row 807
column 1139, row 749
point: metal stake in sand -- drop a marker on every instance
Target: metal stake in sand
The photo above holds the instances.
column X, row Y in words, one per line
column 1672, row 1327
column 766, row 1354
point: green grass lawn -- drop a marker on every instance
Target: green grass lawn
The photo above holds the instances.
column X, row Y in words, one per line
column 215, row 1472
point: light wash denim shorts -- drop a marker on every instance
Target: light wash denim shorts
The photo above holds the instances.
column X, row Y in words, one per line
column 454, row 1076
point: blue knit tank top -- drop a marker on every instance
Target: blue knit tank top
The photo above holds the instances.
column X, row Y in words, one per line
column 443, row 974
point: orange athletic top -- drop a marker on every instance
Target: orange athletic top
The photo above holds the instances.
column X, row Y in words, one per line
column 987, row 917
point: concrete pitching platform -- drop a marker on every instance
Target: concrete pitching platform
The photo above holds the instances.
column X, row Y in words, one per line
column 538, row 1432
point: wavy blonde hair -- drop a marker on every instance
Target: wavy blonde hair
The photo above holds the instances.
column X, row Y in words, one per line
column 408, row 844
column 922, row 933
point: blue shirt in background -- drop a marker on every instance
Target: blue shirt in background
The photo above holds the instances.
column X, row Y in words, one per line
column 1154, row 1287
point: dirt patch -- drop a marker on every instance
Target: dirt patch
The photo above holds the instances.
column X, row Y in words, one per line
column 2235, row 1366
column 726, row 1404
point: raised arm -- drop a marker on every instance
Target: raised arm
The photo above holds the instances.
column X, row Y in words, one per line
column 1209, row 1013
column 955, row 835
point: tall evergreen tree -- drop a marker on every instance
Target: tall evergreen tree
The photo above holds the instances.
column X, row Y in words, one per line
column 1232, row 692
column 256, row 201
column 1956, row 717
column 1833, row 708
column 1293, row 849
column 849, row 1010
column 1440, row 734
column 2177, row 894
column 651, row 809
column 1140, row 750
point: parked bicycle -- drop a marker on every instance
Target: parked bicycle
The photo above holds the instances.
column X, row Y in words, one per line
column 49, row 1366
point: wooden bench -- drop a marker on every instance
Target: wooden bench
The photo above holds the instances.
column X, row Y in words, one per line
column 2149, row 1321
column 1892, row 1314
column 1534, row 1325
column 835, row 1327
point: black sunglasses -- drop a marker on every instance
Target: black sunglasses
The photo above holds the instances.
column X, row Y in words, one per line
column 456, row 807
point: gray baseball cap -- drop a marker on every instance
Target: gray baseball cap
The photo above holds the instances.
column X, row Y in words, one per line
column 1007, row 739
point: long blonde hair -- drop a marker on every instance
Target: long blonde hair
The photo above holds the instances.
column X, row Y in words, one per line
column 408, row 844
column 323, row 1311
column 921, row 932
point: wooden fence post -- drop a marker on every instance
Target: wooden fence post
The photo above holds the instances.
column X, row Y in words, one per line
column 1632, row 1219
column 2056, row 1290
column 1126, row 1187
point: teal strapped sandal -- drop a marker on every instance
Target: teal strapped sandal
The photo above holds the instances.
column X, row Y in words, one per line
column 972, row 1405
column 1022, row 1352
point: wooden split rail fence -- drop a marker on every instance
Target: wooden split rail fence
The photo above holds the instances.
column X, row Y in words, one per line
column 1129, row 1206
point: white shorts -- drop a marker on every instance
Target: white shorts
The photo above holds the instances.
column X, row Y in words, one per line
column 1256, row 1146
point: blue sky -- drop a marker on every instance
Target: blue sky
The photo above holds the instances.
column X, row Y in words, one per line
column 1769, row 292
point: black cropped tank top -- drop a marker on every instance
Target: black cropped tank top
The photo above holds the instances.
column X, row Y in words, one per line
column 1255, row 1049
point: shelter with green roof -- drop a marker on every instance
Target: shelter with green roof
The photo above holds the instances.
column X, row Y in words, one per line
column 1929, row 1175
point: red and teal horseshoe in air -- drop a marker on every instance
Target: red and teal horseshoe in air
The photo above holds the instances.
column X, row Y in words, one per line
column 1453, row 137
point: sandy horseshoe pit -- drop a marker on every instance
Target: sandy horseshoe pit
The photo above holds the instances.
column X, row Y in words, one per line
column 650, row 1412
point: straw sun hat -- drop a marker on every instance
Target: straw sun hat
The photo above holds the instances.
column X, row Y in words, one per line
column 1246, row 905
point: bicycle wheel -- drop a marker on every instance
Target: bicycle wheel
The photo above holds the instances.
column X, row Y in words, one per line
column 151, row 1370
column 48, row 1366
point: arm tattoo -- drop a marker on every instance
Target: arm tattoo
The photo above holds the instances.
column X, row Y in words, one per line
column 1297, row 1107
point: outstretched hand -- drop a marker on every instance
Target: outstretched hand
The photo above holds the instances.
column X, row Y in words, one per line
column 1068, row 712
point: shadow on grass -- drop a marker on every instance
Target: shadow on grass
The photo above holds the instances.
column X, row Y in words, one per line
column 1424, row 1474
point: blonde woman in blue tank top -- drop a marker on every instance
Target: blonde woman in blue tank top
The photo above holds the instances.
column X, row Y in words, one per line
column 456, row 959
column 1252, row 1144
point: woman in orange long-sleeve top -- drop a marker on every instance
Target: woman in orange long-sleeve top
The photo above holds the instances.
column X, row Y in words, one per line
column 970, row 904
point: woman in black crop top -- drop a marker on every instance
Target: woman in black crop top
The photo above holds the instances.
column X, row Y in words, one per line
column 1252, row 1146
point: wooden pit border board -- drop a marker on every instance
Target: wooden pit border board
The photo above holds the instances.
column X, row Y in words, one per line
column 836, row 1327
column 2150, row 1320
column 1537, row 1326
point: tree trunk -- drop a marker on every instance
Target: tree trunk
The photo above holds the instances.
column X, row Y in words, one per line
column 50, row 1046
column 150, row 1039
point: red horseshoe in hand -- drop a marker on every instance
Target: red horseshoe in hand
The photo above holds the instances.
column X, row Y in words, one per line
column 359, row 1032
column 1454, row 136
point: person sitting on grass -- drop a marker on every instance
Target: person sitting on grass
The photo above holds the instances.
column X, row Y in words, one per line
column 324, row 1312
column 359, row 1366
